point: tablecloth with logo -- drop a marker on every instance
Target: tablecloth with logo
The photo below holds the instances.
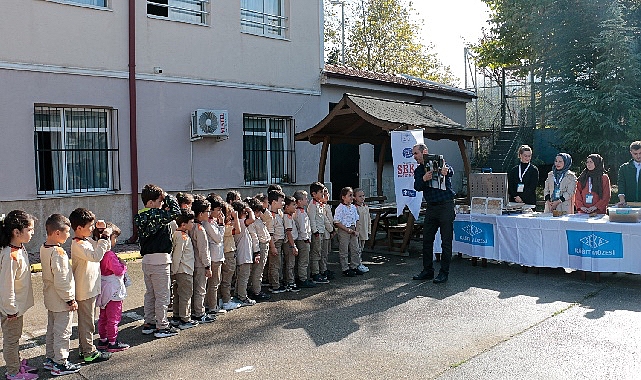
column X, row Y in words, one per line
column 577, row 242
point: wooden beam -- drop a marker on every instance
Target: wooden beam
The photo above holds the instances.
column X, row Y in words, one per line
column 323, row 160
column 379, row 168
column 353, row 127
column 343, row 111
column 466, row 163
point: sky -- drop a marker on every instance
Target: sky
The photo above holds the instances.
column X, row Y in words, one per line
column 449, row 25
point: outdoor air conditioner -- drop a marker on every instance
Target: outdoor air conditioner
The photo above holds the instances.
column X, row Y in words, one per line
column 209, row 123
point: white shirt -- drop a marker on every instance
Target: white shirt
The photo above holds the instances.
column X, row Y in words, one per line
column 346, row 215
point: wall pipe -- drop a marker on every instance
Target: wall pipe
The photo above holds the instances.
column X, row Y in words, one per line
column 133, row 144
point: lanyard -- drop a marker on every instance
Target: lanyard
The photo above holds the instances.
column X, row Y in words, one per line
column 589, row 184
column 557, row 184
column 524, row 171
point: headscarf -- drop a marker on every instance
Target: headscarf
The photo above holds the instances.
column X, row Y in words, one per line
column 567, row 162
column 596, row 174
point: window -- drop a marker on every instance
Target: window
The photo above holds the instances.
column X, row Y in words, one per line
column 192, row 11
column 76, row 149
column 268, row 150
column 95, row 3
column 263, row 17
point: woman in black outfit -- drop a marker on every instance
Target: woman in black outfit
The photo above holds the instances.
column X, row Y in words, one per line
column 523, row 178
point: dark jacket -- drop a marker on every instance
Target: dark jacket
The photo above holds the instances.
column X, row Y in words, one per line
column 627, row 182
column 530, row 181
column 154, row 233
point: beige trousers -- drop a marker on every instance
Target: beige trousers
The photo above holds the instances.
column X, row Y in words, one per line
column 302, row 258
column 58, row 335
column 290, row 263
column 227, row 273
column 274, row 263
column 256, row 276
column 326, row 246
column 315, row 254
column 157, row 284
column 200, row 290
column 11, row 333
column 348, row 250
column 242, row 279
column 213, row 282
column 86, row 325
column 183, row 291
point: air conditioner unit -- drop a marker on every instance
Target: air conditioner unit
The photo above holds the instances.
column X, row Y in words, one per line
column 209, row 123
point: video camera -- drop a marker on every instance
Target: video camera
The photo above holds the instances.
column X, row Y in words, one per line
column 434, row 162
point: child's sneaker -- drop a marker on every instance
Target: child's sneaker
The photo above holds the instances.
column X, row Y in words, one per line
column 187, row 325
column 117, row 346
column 174, row 322
column 64, row 369
column 320, row 279
column 164, row 333
column 231, row 305
column 349, row 273
column 358, row 271
column 280, row 289
column 203, row 318
column 363, row 268
column 27, row 367
column 262, row 296
column 293, row 288
column 307, row 284
column 148, row 329
column 247, row 302
column 102, row 344
column 328, row 274
column 96, row 356
column 48, row 364
column 22, row 375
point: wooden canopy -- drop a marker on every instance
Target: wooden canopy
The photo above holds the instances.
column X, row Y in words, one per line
column 359, row 119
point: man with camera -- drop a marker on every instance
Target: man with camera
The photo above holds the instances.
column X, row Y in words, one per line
column 434, row 178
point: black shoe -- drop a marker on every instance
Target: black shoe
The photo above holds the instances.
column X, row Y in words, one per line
column 349, row 273
column 423, row 276
column 260, row 297
column 329, row 274
column 441, row 278
column 96, row 356
column 358, row 271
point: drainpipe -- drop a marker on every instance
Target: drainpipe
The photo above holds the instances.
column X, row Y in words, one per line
column 133, row 145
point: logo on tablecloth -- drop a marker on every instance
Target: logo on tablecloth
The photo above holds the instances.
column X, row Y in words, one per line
column 605, row 245
column 474, row 233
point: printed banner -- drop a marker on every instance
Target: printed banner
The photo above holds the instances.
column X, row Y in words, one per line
column 474, row 233
column 404, row 164
column 595, row 244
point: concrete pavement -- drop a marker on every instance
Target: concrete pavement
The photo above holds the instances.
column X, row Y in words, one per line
column 494, row 322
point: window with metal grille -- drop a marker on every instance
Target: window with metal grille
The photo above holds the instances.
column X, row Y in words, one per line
column 263, row 17
column 76, row 149
column 95, row 3
column 191, row 11
column 268, row 150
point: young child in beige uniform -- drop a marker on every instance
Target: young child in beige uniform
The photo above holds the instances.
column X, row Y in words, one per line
column 289, row 245
column 215, row 229
column 182, row 270
column 245, row 256
column 202, row 264
column 85, row 258
column 58, row 288
column 316, row 214
column 303, row 241
column 330, row 231
column 263, row 241
column 16, row 293
column 364, row 224
column 232, row 227
column 275, row 198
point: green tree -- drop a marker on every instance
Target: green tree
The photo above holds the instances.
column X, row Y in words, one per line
column 381, row 37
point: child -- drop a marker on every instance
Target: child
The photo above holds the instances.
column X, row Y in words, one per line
column 268, row 220
column 277, row 231
column 302, row 242
column 329, row 234
column 215, row 229
column 364, row 225
column 112, row 270
column 316, row 214
column 16, row 293
column 182, row 270
column 184, row 200
column 263, row 239
column 244, row 252
column 202, row 263
column 346, row 219
column 85, row 258
column 289, row 246
column 232, row 226
column 58, row 288
column 233, row 196
column 155, row 247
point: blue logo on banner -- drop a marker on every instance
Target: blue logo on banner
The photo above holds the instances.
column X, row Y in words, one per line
column 409, row 193
column 598, row 245
column 407, row 153
column 474, row 233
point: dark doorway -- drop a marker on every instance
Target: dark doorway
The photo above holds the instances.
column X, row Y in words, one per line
column 343, row 167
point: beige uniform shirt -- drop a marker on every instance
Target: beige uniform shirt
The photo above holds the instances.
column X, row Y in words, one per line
column 58, row 285
column 182, row 253
column 85, row 263
column 16, row 293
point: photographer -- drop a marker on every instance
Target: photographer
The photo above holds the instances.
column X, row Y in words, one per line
column 434, row 178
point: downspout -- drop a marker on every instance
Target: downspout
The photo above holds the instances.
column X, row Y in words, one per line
column 133, row 145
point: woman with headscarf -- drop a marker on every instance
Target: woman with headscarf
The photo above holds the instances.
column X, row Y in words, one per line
column 560, row 186
column 593, row 187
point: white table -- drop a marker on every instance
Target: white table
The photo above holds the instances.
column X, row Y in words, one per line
column 577, row 242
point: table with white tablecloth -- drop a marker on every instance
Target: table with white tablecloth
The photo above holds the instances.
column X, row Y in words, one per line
column 575, row 241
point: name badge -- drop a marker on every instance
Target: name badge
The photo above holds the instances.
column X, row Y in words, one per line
column 520, row 187
column 557, row 194
column 588, row 198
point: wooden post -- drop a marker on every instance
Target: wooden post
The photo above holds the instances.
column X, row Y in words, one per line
column 379, row 168
column 323, row 160
column 466, row 163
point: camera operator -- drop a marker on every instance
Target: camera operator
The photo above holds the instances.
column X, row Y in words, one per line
column 439, row 214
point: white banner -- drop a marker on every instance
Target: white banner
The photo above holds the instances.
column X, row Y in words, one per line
column 404, row 164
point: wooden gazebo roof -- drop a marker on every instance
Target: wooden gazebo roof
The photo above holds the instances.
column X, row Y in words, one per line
column 359, row 119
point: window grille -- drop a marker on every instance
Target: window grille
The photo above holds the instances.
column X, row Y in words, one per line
column 191, row 11
column 76, row 149
column 263, row 17
column 268, row 150
column 95, row 3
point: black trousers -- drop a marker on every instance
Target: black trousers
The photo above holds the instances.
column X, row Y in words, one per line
column 437, row 217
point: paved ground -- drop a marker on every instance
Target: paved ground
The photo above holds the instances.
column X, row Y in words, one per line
column 494, row 323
